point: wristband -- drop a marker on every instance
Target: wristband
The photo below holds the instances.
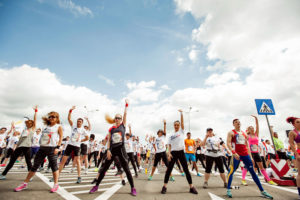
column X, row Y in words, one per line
column 70, row 111
column 35, row 110
column 233, row 152
column 126, row 105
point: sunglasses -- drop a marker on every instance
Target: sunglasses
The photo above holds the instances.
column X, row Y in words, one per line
column 119, row 118
column 51, row 117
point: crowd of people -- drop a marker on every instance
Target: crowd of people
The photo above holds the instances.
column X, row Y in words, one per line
column 83, row 150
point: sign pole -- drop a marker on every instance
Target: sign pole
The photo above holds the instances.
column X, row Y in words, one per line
column 271, row 133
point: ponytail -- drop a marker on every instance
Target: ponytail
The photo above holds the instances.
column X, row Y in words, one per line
column 291, row 120
column 109, row 119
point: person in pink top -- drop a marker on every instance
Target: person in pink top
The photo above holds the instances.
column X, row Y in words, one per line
column 253, row 141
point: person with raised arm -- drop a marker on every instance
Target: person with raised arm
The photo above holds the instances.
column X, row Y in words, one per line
column 176, row 151
column 84, row 148
column 115, row 147
column 294, row 141
column 51, row 139
column 5, row 148
column 23, row 146
column 237, row 142
column 78, row 136
column 253, row 140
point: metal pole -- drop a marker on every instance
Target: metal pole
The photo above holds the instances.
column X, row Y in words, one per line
column 271, row 133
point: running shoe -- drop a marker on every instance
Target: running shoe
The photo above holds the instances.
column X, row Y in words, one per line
column 2, row 165
column 136, row 175
column 198, row 174
column 182, row 174
column 17, row 161
column 150, row 178
column 123, row 182
column 96, row 169
column 133, row 191
column 172, row 178
column 244, row 183
column 21, row 187
column 51, row 180
column 272, row 183
column 47, row 170
column 205, row 185
column 78, row 180
column 86, row 171
column 2, row 177
column 266, row 195
column 229, row 193
column 94, row 181
column 164, row 190
column 94, row 189
column 54, row 189
column 193, row 190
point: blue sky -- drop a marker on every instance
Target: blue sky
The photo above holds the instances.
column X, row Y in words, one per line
column 121, row 40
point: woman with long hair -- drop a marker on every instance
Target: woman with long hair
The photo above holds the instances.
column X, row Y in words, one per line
column 176, row 151
column 115, row 147
column 51, row 138
column 23, row 146
column 294, row 137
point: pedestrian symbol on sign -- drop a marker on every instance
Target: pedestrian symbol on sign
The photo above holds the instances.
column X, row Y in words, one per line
column 265, row 108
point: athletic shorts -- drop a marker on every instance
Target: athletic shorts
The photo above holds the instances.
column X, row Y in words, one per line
column 70, row 149
column 271, row 156
column 256, row 157
column 83, row 149
column 190, row 156
column 282, row 155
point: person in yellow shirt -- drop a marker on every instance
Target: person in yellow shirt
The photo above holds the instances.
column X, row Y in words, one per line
column 190, row 147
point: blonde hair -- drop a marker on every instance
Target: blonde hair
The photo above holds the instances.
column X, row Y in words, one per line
column 109, row 119
column 46, row 119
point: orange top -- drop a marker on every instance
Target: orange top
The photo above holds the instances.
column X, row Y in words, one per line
column 189, row 145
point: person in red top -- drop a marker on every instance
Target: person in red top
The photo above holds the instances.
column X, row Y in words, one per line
column 190, row 147
column 237, row 142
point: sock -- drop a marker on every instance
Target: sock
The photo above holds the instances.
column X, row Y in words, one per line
column 244, row 173
column 263, row 171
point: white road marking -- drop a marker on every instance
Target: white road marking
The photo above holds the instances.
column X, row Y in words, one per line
column 88, row 185
column 85, row 191
column 108, row 193
column 215, row 197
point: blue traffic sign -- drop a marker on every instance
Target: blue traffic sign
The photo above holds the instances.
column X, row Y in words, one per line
column 264, row 107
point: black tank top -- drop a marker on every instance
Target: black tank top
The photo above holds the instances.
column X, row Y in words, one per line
column 117, row 135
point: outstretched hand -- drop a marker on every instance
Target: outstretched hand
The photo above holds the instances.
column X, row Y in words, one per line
column 254, row 116
column 180, row 110
column 164, row 121
column 73, row 107
column 35, row 107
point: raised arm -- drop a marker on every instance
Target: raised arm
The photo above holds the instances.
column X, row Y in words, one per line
column 69, row 115
column 181, row 119
column 125, row 112
column 12, row 128
column 204, row 141
column 130, row 133
column 257, row 125
column 165, row 127
column 34, row 118
column 89, row 124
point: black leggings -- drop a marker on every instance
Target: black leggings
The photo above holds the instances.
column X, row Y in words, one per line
column 178, row 155
column 158, row 157
column 201, row 158
column 95, row 154
column 121, row 153
column 41, row 155
column 178, row 165
column 131, row 159
column 102, row 158
column 218, row 162
column 136, row 161
column 19, row 151
column 264, row 162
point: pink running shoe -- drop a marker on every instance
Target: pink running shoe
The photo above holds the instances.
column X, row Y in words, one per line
column 94, row 189
column 54, row 189
column 133, row 191
column 3, row 165
column 21, row 187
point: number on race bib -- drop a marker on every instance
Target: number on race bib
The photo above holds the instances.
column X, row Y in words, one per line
column 190, row 148
column 117, row 137
column 240, row 139
column 254, row 147
column 198, row 151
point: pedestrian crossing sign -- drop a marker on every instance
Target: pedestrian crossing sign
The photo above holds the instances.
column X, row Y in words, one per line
column 264, row 107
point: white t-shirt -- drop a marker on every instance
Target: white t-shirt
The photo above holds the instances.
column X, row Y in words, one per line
column 36, row 140
column 176, row 140
column 77, row 135
column 2, row 140
column 262, row 149
column 128, row 145
column 12, row 141
column 88, row 133
column 92, row 145
column 50, row 136
column 102, row 148
column 270, row 149
column 213, row 143
column 160, row 144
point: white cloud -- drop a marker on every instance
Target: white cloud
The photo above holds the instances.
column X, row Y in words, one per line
column 107, row 80
column 75, row 9
column 142, row 92
column 217, row 79
column 193, row 55
column 165, row 87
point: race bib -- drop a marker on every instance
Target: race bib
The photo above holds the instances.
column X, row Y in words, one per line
column 198, row 152
column 117, row 138
column 190, row 148
column 160, row 145
column 76, row 137
column 240, row 139
column 103, row 150
column 254, row 147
